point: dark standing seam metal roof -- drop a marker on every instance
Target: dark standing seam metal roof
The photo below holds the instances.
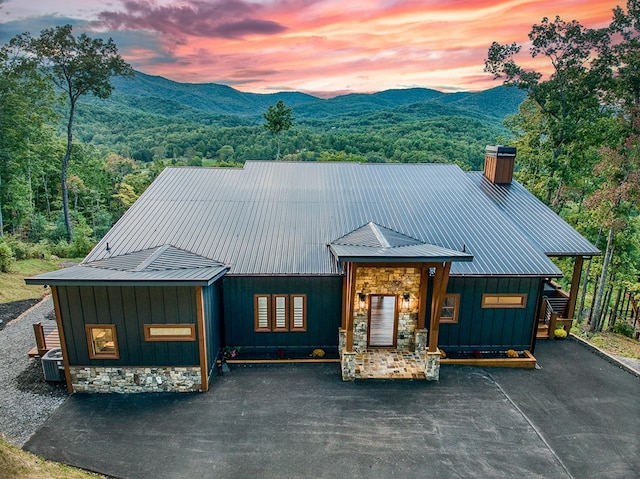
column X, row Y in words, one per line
column 550, row 233
column 161, row 265
column 278, row 218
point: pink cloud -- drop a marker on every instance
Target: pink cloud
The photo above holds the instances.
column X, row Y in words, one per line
column 324, row 45
column 222, row 18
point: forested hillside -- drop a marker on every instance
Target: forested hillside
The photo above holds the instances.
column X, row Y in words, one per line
column 151, row 118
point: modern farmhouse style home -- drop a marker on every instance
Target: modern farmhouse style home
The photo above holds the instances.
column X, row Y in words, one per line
column 379, row 262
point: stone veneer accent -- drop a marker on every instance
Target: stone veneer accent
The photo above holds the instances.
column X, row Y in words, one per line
column 135, row 379
column 432, row 367
column 342, row 340
column 421, row 340
column 394, row 281
column 348, row 365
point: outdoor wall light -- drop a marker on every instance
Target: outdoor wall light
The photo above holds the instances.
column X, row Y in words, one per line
column 406, row 300
column 362, row 298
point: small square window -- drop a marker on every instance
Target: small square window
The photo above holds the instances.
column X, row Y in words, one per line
column 450, row 307
column 102, row 341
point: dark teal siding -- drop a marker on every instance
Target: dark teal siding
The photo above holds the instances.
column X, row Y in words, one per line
column 213, row 322
column 485, row 329
column 129, row 308
column 324, row 309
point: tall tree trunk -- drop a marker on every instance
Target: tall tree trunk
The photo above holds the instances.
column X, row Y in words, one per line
column 46, row 196
column 603, row 279
column 606, row 308
column 63, row 174
column 583, row 292
column 614, row 314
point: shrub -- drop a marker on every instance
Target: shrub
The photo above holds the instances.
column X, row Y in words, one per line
column 512, row 353
column 62, row 249
column 623, row 328
column 560, row 333
column 6, row 258
column 317, row 353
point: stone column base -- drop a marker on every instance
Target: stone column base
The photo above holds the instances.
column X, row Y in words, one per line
column 432, row 367
column 348, row 364
column 342, row 340
column 421, row 340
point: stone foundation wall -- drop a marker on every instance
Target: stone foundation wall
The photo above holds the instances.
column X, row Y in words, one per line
column 135, row 379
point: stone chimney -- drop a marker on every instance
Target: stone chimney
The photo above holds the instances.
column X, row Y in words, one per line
column 498, row 164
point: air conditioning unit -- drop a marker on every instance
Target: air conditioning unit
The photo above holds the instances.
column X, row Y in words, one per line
column 52, row 365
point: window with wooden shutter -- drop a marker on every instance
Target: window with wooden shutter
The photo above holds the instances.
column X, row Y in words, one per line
column 262, row 312
column 280, row 312
column 298, row 312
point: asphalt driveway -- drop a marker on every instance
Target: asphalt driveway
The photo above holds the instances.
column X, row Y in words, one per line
column 576, row 417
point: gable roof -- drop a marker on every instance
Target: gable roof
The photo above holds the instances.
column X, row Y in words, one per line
column 374, row 242
column 279, row 217
column 164, row 264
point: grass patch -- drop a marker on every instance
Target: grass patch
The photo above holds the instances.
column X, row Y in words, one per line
column 12, row 285
column 610, row 342
column 18, row 464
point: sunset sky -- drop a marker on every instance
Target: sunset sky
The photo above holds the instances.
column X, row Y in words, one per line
column 315, row 46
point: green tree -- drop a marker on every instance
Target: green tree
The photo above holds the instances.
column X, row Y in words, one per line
column 567, row 100
column 78, row 66
column 26, row 103
column 278, row 119
column 617, row 197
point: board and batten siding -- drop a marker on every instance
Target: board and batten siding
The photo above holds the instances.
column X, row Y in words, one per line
column 212, row 296
column 486, row 329
column 324, row 309
column 129, row 309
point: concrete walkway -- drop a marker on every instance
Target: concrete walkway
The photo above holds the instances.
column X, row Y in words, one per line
column 576, row 417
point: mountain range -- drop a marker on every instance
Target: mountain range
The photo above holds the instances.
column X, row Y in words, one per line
column 221, row 105
column 150, row 117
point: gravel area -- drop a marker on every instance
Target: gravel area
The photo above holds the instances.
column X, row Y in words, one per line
column 26, row 399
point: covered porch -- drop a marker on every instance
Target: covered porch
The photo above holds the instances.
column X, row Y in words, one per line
column 393, row 294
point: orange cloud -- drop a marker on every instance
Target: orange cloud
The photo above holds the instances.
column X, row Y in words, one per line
column 330, row 45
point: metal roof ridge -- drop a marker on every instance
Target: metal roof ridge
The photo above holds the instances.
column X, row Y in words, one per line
column 147, row 262
column 384, row 242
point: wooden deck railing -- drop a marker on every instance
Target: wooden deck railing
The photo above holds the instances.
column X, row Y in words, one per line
column 554, row 311
column 47, row 338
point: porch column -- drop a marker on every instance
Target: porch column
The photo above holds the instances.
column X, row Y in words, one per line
column 575, row 285
column 421, row 331
column 347, row 355
column 63, row 342
column 440, row 282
